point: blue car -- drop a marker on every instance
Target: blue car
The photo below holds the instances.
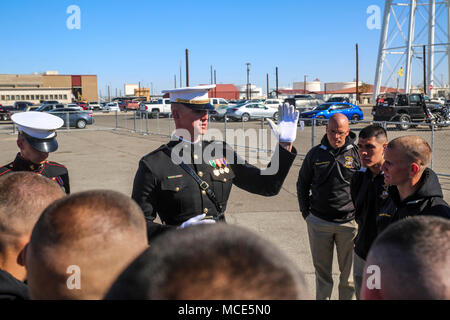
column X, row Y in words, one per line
column 77, row 118
column 326, row 110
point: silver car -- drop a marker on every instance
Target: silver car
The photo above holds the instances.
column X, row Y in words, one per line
column 250, row 110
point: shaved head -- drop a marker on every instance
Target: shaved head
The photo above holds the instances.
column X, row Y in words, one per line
column 23, row 197
column 413, row 256
column 337, row 130
column 99, row 232
column 413, row 148
column 339, row 119
column 211, row 262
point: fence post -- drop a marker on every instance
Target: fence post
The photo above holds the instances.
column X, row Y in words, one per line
column 157, row 122
column 14, row 128
column 146, row 123
column 262, row 132
column 67, row 121
column 313, row 132
column 169, row 118
column 432, row 145
column 134, row 122
column 117, row 120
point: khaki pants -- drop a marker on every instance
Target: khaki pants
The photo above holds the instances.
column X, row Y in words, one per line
column 322, row 237
column 358, row 269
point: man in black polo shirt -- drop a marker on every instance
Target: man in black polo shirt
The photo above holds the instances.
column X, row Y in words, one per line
column 369, row 193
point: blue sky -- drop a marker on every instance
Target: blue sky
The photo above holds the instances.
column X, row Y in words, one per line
column 145, row 40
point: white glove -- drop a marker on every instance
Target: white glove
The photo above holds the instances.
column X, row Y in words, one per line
column 196, row 220
column 286, row 130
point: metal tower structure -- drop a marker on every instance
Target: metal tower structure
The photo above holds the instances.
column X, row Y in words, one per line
column 400, row 50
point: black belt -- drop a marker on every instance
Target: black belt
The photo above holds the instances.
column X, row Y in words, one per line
column 203, row 184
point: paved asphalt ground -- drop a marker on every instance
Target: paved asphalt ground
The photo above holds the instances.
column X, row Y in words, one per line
column 101, row 158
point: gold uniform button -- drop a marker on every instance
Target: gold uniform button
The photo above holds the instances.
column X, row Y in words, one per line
column 224, row 179
column 195, row 156
column 200, row 174
column 203, row 192
column 177, row 189
column 205, row 210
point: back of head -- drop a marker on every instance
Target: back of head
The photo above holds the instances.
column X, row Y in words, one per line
column 23, row 197
column 414, row 149
column 95, row 234
column 210, row 262
column 413, row 256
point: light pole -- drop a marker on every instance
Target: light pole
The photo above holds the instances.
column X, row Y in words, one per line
column 248, row 81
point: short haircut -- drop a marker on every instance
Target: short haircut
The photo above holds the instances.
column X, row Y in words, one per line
column 100, row 231
column 23, row 197
column 414, row 149
column 210, row 262
column 414, row 258
column 373, row 131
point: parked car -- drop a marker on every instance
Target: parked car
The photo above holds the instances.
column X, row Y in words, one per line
column 404, row 108
column 77, row 118
column 48, row 107
column 73, row 105
column 339, row 99
column 156, row 108
column 304, row 102
column 131, row 105
column 82, row 104
column 273, row 103
column 326, row 110
column 19, row 106
column 94, row 105
column 111, row 106
column 248, row 111
column 438, row 100
column 219, row 115
column 218, row 102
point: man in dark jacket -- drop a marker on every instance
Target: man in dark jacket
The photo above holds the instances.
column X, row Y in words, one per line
column 369, row 193
column 196, row 189
column 415, row 189
column 329, row 211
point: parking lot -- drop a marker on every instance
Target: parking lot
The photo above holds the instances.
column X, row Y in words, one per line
column 103, row 157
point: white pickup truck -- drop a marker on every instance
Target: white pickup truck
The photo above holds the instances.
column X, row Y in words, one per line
column 156, row 108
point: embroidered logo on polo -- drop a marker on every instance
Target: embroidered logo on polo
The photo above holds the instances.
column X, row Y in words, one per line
column 385, row 192
column 220, row 166
column 348, row 162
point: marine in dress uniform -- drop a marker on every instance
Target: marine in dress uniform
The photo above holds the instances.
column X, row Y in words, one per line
column 37, row 137
column 163, row 187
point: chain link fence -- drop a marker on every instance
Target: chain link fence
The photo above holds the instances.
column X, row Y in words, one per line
column 309, row 135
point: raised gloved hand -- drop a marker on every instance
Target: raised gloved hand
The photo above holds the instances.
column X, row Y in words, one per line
column 196, row 220
column 286, row 130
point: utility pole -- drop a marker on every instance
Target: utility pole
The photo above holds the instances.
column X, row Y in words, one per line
column 175, row 81
column 215, row 82
column 109, row 95
column 211, row 75
column 248, row 80
column 276, row 74
column 181, row 81
column 304, row 85
column 267, row 83
column 116, row 92
column 357, row 75
column 187, row 68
